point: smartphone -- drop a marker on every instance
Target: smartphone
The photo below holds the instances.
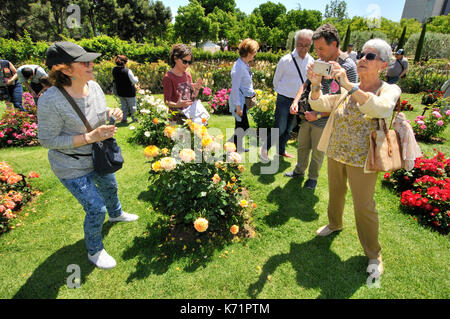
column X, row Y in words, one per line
column 322, row 68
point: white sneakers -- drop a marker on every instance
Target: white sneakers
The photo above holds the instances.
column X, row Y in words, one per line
column 125, row 217
column 102, row 260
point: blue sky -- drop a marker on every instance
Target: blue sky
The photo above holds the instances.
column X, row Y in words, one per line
column 390, row 9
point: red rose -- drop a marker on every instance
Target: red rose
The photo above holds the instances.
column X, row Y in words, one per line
column 436, row 223
column 387, row 176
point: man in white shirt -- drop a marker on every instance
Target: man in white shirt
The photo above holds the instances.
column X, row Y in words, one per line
column 289, row 77
column 352, row 54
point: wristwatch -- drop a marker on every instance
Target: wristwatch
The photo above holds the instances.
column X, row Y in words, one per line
column 353, row 90
column 318, row 115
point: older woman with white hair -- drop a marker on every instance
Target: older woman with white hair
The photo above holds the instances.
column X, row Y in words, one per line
column 345, row 141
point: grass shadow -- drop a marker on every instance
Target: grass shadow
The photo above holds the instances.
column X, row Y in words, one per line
column 317, row 267
column 293, row 201
column 51, row 275
column 155, row 251
column 266, row 179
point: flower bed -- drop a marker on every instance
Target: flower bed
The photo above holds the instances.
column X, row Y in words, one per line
column 431, row 97
column 196, row 187
column 425, row 190
column 15, row 192
column 19, row 128
column 430, row 126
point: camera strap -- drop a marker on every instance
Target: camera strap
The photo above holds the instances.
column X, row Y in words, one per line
column 298, row 69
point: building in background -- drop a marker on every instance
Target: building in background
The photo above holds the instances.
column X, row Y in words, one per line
column 422, row 9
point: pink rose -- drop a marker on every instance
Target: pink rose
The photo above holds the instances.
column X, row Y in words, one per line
column 437, row 114
column 420, row 122
column 2, row 135
column 439, row 123
column 447, row 113
column 9, row 142
column 423, row 127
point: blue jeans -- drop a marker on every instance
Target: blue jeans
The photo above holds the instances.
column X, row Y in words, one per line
column 128, row 105
column 96, row 194
column 16, row 91
column 284, row 121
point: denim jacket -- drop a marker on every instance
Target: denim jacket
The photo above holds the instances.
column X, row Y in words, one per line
column 241, row 86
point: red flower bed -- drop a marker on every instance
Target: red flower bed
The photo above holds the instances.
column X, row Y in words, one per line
column 425, row 190
column 14, row 193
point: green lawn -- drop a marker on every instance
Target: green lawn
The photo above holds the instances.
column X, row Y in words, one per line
column 285, row 260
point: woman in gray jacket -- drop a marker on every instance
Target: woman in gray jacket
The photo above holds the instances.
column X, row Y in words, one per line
column 62, row 131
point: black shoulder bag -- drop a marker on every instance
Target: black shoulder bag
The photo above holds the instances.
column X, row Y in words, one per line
column 303, row 103
column 107, row 155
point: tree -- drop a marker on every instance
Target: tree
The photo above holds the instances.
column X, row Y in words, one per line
column 270, row 11
column 224, row 5
column 420, row 44
column 347, row 39
column 440, row 24
column 402, row 40
column 159, row 20
column 225, row 21
column 191, row 24
column 336, row 9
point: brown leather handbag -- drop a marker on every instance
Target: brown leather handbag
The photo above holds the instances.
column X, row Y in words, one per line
column 385, row 148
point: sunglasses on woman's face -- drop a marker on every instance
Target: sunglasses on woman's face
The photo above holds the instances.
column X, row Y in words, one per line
column 186, row 61
column 369, row 56
column 86, row 64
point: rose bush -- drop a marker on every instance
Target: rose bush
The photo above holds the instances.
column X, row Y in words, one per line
column 15, row 192
column 425, row 190
column 264, row 112
column 196, row 186
column 427, row 127
column 19, row 128
column 153, row 119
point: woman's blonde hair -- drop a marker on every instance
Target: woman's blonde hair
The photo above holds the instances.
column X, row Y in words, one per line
column 248, row 46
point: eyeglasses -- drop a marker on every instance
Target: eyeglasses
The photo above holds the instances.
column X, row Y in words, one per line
column 86, row 64
column 186, row 61
column 369, row 56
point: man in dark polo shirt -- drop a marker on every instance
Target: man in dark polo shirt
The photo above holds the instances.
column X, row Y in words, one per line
column 326, row 43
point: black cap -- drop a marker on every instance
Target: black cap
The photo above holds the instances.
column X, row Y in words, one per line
column 350, row 44
column 66, row 52
column 400, row 52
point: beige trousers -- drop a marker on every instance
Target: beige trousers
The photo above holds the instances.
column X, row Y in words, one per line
column 308, row 139
column 362, row 187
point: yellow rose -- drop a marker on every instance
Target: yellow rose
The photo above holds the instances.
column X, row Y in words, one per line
column 241, row 168
column 201, row 224
column 168, row 163
column 264, row 108
column 187, row 155
column 230, row 147
column 216, row 179
column 234, row 229
column 243, row 203
column 156, row 166
column 151, row 151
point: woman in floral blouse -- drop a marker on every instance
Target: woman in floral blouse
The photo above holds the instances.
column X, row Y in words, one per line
column 345, row 141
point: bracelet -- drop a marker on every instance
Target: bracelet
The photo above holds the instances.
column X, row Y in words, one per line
column 353, row 90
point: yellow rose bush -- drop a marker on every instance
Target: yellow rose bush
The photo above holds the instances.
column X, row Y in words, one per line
column 201, row 187
column 264, row 112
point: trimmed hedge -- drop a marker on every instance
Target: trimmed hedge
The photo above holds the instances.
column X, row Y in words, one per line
column 24, row 50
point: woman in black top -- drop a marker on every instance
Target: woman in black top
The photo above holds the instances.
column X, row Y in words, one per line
column 124, row 82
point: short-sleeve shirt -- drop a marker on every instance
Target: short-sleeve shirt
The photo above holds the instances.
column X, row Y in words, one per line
column 395, row 67
column 38, row 72
column 175, row 86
